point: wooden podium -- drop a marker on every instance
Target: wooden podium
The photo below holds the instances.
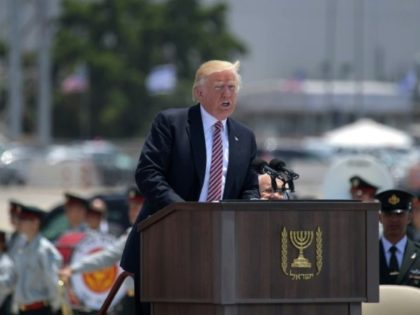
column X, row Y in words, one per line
column 260, row 257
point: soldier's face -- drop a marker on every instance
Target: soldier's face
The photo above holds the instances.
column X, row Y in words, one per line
column 362, row 194
column 94, row 220
column 395, row 224
column 29, row 227
column 76, row 214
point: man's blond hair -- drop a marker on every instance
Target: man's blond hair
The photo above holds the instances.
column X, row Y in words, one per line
column 213, row 66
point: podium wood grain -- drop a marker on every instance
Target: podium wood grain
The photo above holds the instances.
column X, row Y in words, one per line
column 225, row 258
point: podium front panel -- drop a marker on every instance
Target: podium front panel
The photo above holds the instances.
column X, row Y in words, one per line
column 178, row 258
column 260, row 253
column 291, row 254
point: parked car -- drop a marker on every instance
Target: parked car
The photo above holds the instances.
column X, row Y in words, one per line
column 114, row 167
column 10, row 176
column 15, row 162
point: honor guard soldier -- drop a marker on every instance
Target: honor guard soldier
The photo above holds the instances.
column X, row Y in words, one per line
column 111, row 255
column 399, row 256
column 15, row 237
column 76, row 209
column 361, row 189
column 96, row 214
column 7, row 277
column 37, row 263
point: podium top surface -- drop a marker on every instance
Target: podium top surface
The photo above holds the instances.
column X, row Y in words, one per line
column 262, row 205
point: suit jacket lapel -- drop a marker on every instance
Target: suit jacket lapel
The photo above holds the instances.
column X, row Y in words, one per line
column 198, row 146
column 383, row 266
column 410, row 256
column 235, row 155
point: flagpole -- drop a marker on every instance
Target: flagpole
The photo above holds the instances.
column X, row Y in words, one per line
column 44, row 82
column 15, row 101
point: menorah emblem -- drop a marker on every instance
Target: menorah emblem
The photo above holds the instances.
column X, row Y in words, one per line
column 301, row 240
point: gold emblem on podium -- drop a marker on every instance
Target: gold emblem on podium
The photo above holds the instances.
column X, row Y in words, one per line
column 301, row 267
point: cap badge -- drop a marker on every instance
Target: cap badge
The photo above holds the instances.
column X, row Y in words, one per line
column 393, row 200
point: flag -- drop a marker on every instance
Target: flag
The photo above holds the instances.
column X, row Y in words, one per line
column 408, row 83
column 162, row 79
column 76, row 82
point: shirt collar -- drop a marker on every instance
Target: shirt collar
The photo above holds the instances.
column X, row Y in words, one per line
column 400, row 245
column 209, row 120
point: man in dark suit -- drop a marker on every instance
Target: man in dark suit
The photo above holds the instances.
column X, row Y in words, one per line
column 196, row 153
column 399, row 256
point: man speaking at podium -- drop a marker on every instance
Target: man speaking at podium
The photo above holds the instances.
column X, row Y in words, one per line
column 197, row 153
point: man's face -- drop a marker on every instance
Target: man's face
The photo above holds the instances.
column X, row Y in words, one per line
column 362, row 194
column 266, row 189
column 395, row 224
column 28, row 227
column 94, row 220
column 218, row 94
column 76, row 214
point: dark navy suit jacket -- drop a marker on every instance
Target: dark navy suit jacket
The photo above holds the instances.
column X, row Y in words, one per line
column 172, row 166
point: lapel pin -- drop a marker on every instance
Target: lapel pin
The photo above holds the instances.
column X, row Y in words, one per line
column 236, row 138
column 413, row 256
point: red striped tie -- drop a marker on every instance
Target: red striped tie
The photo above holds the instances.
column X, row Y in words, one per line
column 216, row 166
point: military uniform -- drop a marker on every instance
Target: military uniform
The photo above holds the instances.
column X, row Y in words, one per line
column 7, row 277
column 361, row 187
column 399, row 257
column 14, row 239
column 112, row 255
column 409, row 273
column 37, row 263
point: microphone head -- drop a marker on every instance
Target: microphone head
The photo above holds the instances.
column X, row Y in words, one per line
column 277, row 164
column 258, row 165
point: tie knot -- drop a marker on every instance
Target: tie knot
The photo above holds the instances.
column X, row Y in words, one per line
column 393, row 249
column 218, row 126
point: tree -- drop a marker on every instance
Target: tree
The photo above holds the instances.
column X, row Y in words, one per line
column 120, row 42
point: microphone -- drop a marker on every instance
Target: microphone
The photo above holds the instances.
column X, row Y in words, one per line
column 261, row 167
column 280, row 166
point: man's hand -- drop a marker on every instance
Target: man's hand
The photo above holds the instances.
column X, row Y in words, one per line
column 65, row 274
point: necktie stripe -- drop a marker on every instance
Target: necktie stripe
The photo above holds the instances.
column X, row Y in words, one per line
column 216, row 166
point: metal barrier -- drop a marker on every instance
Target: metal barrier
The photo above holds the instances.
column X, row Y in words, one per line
column 114, row 291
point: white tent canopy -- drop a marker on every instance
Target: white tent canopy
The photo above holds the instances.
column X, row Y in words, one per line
column 367, row 133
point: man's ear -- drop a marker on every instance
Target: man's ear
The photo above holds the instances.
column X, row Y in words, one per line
column 198, row 92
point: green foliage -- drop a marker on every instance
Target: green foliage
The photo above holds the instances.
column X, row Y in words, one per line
column 120, row 41
column 3, row 49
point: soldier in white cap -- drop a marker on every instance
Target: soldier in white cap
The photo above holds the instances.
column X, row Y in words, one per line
column 7, row 277
column 37, row 263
